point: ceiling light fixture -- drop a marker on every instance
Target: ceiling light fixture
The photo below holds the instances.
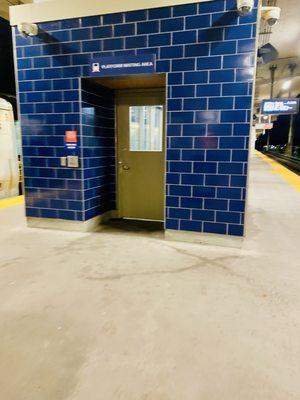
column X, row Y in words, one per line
column 286, row 85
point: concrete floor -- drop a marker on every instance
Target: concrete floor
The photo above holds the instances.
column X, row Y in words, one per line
column 115, row 316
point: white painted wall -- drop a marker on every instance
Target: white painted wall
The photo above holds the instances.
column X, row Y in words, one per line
column 9, row 172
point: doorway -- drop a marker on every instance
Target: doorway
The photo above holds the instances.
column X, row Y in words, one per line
column 123, row 124
column 140, row 119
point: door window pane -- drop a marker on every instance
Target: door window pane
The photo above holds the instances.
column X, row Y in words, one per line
column 146, row 128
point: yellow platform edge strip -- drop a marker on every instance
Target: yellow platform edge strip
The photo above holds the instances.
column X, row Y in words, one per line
column 289, row 176
column 11, row 201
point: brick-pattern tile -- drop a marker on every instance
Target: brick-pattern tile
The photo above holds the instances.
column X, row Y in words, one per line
column 207, row 52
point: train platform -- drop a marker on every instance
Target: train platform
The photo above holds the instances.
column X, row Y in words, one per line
column 134, row 317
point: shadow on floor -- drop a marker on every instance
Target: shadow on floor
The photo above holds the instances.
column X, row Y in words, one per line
column 129, row 226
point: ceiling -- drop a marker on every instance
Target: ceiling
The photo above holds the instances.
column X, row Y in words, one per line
column 285, row 37
column 4, row 6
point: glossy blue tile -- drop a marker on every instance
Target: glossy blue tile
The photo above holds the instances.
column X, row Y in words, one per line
column 33, row 74
column 133, row 16
column 215, row 204
column 191, row 202
column 203, row 215
column 194, row 226
column 113, row 18
column 218, row 155
column 197, row 22
column 171, row 25
column 24, row 63
column 230, row 168
column 205, row 167
column 217, row 180
column 236, row 230
column 41, row 62
column 211, row 35
column 52, row 73
column 244, row 75
column 238, row 61
column 221, row 76
column 233, row 116
column 248, row 19
column 71, row 48
column 184, row 117
column 195, row 104
column 60, row 84
column 204, row 191
column 27, row 108
column 183, row 91
column 43, row 108
column 61, row 36
column 206, row 142
column 207, row 117
column 211, row 6
column 229, row 193
column 91, row 21
column 185, row 9
column 113, row 44
column 238, row 32
column 147, row 27
column 243, row 102
column 237, row 205
column 136, row 42
column 159, row 13
column 181, row 142
column 186, row 64
column 175, row 78
column 219, row 129
column 212, row 227
column 234, row 89
column 196, row 50
column 70, row 23
column 33, row 51
column 185, row 37
column 172, row 224
column 208, row 90
column 194, row 130
column 102, row 32
column 179, row 213
column 240, row 155
column 196, row 77
column 220, row 103
column 124, row 29
column 225, row 19
column 192, row 179
column 180, row 190
column 81, row 34
column 193, row 155
column 241, row 129
column 171, row 52
column 238, row 181
column 209, row 62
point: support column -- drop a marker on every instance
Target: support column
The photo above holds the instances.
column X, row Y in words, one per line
column 289, row 147
column 272, row 71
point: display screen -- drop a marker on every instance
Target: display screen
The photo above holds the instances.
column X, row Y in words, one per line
column 280, row 106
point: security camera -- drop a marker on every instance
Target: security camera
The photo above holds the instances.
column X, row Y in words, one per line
column 271, row 15
column 26, row 29
column 245, row 7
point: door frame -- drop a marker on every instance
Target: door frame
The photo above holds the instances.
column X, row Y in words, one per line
column 118, row 93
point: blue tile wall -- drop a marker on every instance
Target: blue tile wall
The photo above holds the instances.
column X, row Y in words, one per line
column 98, row 142
column 207, row 52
